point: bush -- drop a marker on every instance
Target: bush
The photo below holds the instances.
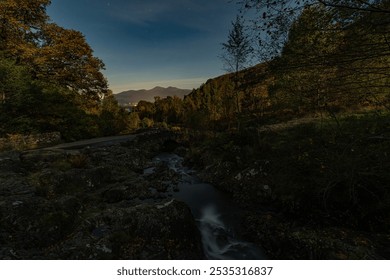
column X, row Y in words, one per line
column 147, row 123
column 133, row 121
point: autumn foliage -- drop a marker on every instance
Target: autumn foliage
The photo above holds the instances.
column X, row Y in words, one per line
column 50, row 78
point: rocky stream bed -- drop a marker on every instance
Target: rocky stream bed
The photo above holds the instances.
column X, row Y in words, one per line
column 93, row 203
column 116, row 201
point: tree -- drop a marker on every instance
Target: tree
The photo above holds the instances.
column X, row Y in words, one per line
column 327, row 54
column 66, row 58
column 273, row 19
column 236, row 53
column 30, row 105
column 20, row 22
column 52, row 53
column 364, row 64
column 168, row 110
column 112, row 118
column 146, row 109
column 133, row 121
column 14, row 79
column 304, row 69
column 49, row 78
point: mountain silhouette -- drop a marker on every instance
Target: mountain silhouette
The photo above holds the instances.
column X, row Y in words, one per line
column 134, row 96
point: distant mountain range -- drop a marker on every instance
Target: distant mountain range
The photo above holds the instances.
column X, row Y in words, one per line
column 134, row 96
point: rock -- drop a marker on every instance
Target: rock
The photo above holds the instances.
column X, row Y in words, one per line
column 94, row 203
column 114, row 195
column 148, row 231
column 181, row 151
column 69, row 204
column 163, row 231
column 170, row 145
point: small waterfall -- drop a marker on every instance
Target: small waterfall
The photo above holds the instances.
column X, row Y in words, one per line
column 216, row 243
column 219, row 242
column 215, row 213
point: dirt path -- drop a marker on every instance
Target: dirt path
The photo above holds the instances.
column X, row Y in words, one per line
column 92, row 142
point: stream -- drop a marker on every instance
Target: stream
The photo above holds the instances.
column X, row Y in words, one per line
column 218, row 218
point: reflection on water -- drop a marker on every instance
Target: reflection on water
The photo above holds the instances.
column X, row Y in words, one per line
column 217, row 216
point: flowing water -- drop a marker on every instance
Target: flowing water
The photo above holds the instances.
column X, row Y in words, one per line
column 217, row 217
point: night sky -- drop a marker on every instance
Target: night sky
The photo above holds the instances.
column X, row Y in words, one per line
column 148, row 43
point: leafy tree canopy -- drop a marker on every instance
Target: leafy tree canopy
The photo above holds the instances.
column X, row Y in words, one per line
column 49, row 78
column 65, row 57
column 53, row 53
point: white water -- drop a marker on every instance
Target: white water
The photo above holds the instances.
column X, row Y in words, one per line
column 216, row 215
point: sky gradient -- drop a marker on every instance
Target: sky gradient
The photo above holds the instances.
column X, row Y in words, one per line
column 148, row 43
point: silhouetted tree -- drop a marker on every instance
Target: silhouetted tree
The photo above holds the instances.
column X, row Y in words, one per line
column 236, row 54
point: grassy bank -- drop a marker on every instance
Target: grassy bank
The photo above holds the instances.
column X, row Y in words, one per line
column 317, row 175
